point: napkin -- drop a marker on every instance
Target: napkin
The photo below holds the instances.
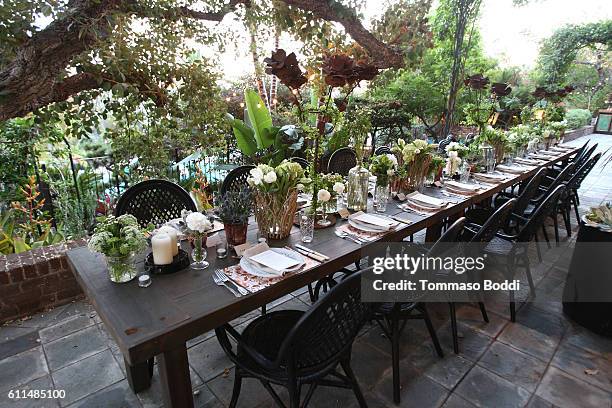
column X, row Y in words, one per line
column 270, row 261
column 372, row 220
column 472, row 188
column 489, row 177
column 512, row 169
column 526, row 161
column 425, row 200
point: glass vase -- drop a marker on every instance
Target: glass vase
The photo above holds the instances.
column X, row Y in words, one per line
column 381, row 197
column 357, row 188
column 324, row 209
column 121, row 269
column 199, row 254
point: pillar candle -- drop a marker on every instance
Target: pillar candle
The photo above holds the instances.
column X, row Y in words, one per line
column 162, row 249
column 172, row 233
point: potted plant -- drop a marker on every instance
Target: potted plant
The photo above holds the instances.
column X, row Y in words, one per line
column 234, row 209
column 275, row 193
column 119, row 239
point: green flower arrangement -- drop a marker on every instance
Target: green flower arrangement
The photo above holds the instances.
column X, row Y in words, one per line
column 117, row 236
column 456, row 147
column 383, row 167
column 601, row 216
column 414, row 164
column 280, row 179
column 496, row 138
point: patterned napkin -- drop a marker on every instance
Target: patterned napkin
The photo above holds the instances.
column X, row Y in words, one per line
column 368, row 236
column 256, row 283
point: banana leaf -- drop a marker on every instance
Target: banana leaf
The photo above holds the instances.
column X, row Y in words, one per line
column 260, row 119
column 245, row 136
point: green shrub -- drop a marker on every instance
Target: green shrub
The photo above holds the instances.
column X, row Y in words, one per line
column 577, row 118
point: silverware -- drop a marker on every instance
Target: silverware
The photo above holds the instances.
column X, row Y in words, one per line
column 307, row 254
column 399, row 219
column 312, row 251
column 242, row 290
column 220, row 281
column 410, row 210
column 345, row 235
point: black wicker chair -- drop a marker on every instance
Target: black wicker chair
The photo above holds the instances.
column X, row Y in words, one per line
column 513, row 249
column 382, row 150
column 154, row 202
column 392, row 317
column 292, row 348
column 301, row 161
column 236, row 179
column 341, row 161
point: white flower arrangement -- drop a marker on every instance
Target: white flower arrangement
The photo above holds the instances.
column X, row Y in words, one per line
column 117, row 236
column 280, row 179
column 198, row 223
column 339, row 188
column 323, row 195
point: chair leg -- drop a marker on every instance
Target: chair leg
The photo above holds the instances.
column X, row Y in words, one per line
column 294, row 394
column 236, row 389
column 431, row 330
column 395, row 356
column 529, row 277
column 483, row 311
column 545, row 236
column 453, row 316
column 566, row 220
column 512, row 307
column 263, row 310
column 311, row 293
column 346, row 366
column 556, row 223
column 537, row 245
column 576, row 203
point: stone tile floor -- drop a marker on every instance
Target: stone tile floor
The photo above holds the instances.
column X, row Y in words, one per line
column 542, row 360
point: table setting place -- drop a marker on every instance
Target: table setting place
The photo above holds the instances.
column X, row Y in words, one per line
column 261, row 266
column 466, row 189
column 490, row 178
column 540, row 156
column 423, row 204
column 363, row 227
column 529, row 162
column 513, row 168
column 550, row 153
column 560, row 149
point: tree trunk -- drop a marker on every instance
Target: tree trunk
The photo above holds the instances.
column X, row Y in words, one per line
column 273, row 79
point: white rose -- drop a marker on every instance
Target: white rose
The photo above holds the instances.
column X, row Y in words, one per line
column 270, row 177
column 323, row 195
column 339, row 187
column 198, row 222
column 417, row 151
column 453, row 154
column 256, row 173
column 393, row 159
column 390, row 172
column 300, row 187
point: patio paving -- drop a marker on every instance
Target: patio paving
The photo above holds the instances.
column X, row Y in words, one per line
column 542, row 360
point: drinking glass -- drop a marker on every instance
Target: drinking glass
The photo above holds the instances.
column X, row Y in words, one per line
column 307, row 221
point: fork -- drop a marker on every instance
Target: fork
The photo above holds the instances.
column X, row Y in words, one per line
column 345, row 235
column 220, row 281
column 225, row 278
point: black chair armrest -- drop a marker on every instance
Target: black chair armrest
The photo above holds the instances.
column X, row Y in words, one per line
column 506, row 236
column 222, row 333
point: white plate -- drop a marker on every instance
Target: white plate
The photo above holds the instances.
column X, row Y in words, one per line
column 256, row 270
column 364, row 227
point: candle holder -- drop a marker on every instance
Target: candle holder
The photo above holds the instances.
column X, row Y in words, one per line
column 179, row 262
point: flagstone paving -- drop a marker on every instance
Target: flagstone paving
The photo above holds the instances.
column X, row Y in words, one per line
column 542, row 360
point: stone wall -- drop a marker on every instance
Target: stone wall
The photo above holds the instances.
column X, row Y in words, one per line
column 576, row 133
column 36, row 280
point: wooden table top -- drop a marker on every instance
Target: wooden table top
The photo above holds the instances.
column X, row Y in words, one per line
column 175, row 308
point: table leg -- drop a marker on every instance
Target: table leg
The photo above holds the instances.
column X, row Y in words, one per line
column 173, row 368
column 433, row 233
column 139, row 375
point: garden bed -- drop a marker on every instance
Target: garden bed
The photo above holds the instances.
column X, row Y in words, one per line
column 576, row 133
column 36, row 280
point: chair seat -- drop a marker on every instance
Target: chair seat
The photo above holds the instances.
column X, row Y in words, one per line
column 502, row 247
column 266, row 335
column 387, row 307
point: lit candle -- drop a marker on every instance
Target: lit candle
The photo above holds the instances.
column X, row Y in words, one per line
column 162, row 249
column 172, row 233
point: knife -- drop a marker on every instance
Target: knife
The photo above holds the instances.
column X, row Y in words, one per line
column 303, row 248
column 308, row 254
column 398, row 219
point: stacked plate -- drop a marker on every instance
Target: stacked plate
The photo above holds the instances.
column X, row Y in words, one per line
column 461, row 188
column 371, row 222
column 548, row 152
column 529, row 162
column 539, row 156
column 490, row 177
column 424, row 202
column 272, row 263
column 512, row 169
column 559, row 149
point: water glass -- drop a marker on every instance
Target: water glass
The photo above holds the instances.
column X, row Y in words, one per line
column 307, row 221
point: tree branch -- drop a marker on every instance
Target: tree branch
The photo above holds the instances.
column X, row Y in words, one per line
column 384, row 56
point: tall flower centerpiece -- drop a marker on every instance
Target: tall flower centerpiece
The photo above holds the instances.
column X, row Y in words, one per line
column 331, row 186
column 382, row 166
column 497, row 139
column 275, row 192
column 119, row 239
column 198, row 226
column 416, row 158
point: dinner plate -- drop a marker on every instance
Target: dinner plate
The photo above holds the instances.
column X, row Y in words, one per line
column 365, row 227
column 255, row 269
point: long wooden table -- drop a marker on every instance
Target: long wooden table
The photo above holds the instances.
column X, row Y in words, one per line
column 160, row 319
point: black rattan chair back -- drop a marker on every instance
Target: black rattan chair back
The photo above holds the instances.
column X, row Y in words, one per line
column 450, row 235
column 301, row 161
column 382, row 150
column 574, row 182
column 495, row 222
column 543, row 210
column 326, row 332
column 341, row 161
column 154, row 202
column 236, row 179
column 529, row 192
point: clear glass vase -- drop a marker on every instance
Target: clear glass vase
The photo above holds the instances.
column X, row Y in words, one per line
column 357, row 188
column 199, row 254
column 381, row 197
column 121, row 269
